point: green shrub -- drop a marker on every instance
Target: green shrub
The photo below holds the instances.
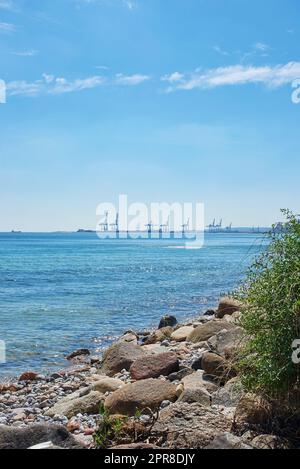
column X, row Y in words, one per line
column 271, row 317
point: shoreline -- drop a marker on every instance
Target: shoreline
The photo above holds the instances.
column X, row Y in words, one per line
column 177, row 371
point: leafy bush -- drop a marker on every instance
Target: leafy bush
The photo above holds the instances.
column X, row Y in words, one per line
column 272, row 314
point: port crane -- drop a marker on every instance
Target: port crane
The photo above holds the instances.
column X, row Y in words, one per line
column 164, row 228
column 115, row 226
column 186, row 226
column 104, row 226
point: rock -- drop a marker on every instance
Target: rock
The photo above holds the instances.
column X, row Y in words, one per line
column 167, row 321
column 200, row 395
column 186, row 426
column 181, row 334
column 159, row 336
column 78, row 353
column 18, row 414
column 229, row 395
column 130, row 337
column 154, row 349
column 226, row 342
column 154, row 366
column 23, row 438
column 106, row 384
column 198, row 380
column 197, row 363
column 229, row 306
column 179, row 375
column 227, row 441
column 71, row 406
column 252, row 410
column 215, row 365
column 205, row 331
column 209, row 312
column 4, row 388
column 120, row 356
column 148, row 393
column 269, row 442
column 29, row 376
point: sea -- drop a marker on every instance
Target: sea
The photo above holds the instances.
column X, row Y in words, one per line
column 64, row 291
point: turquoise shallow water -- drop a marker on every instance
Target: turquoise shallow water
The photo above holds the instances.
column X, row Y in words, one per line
column 59, row 292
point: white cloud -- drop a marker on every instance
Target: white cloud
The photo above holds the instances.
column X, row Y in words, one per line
column 62, row 85
column 51, row 85
column 131, row 80
column 262, row 47
column 26, row 53
column 220, row 51
column 271, row 76
column 173, row 77
column 7, row 28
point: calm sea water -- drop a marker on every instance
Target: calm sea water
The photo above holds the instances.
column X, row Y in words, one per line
column 59, row 292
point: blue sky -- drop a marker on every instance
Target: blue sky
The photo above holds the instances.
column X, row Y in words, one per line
column 164, row 100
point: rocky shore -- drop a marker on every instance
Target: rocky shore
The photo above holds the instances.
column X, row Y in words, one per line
column 174, row 387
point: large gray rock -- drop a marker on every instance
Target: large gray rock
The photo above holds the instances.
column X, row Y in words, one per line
column 167, row 321
column 148, row 393
column 226, row 342
column 205, row 331
column 153, row 366
column 120, row 356
column 191, row 426
column 227, row 441
column 73, row 405
column 24, row 438
column 181, row 334
column 106, row 384
column 229, row 395
column 199, row 380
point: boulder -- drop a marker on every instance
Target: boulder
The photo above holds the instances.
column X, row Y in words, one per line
column 229, row 395
column 226, row 342
column 269, row 442
column 148, row 393
column 167, row 321
column 181, row 334
column 200, row 395
column 198, row 380
column 150, row 366
column 159, row 336
column 23, row 438
column 106, row 384
column 189, row 426
column 179, row 375
column 129, row 336
column 29, row 376
column 214, row 365
column 227, row 441
column 78, row 353
column 73, row 405
column 205, row 331
column 120, row 356
column 252, row 410
column 229, row 306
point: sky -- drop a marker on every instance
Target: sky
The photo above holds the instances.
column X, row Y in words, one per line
column 162, row 100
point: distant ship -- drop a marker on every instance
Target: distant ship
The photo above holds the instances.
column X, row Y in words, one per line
column 16, row 232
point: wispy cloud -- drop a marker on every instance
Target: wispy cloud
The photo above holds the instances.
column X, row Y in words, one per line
column 129, row 4
column 26, row 53
column 7, row 28
column 131, row 80
column 260, row 46
column 220, row 51
column 271, row 76
column 52, row 85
